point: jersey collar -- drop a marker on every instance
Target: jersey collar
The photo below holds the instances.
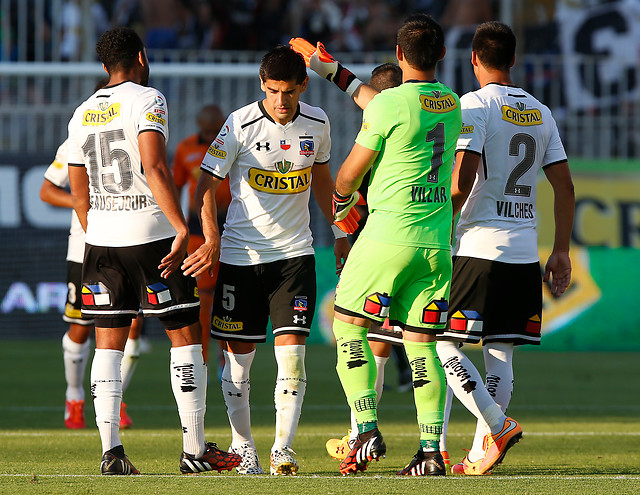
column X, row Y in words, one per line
column 503, row 85
column 419, row 81
column 266, row 114
column 118, row 84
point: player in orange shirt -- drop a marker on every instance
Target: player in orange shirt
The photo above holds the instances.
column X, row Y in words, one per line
column 186, row 170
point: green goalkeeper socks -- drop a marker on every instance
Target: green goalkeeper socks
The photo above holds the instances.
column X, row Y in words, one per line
column 357, row 370
column 429, row 387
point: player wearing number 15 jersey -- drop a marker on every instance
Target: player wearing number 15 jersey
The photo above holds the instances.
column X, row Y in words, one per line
column 136, row 239
column 105, row 130
column 496, row 291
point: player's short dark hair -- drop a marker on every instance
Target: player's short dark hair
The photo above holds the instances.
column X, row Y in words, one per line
column 119, row 47
column 495, row 45
column 386, row 76
column 421, row 39
column 282, row 63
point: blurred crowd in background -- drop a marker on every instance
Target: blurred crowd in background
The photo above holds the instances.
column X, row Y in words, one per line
column 65, row 27
column 578, row 56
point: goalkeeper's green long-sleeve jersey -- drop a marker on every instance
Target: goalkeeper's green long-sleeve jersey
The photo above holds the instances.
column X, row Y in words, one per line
column 415, row 127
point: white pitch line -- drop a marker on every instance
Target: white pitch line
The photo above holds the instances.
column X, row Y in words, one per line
column 344, row 407
column 92, row 433
column 403, row 479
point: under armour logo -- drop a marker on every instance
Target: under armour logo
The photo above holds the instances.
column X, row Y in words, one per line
column 260, row 145
column 300, row 319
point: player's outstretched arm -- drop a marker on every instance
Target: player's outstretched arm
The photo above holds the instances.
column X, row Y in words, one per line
column 322, row 185
column 54, row 195
column 346, row 195
column 463, row 178
column 207, row 254
column 79, row 184
column 354, row 169
column 322, row 63
column 558, row 267
column 153, row 155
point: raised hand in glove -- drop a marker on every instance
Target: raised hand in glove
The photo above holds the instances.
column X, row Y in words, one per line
column 323, row 64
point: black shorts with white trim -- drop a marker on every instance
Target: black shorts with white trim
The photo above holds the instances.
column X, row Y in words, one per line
column 247, row 297
column 493, row 301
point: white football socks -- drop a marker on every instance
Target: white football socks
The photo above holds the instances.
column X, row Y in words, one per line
column 106, row 387
column 381, row 361
column 288, row 396
column 130, row 361
column 498, row 362
column 189, row 384
column 466, row 383
column 445, row 424
column 235, row 390
column 75, row 357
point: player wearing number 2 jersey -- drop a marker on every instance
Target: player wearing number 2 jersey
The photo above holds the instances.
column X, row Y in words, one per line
column 496, row 295
column 136, row 239
column 400, row 266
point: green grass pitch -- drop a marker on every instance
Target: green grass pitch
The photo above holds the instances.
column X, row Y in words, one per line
column 580, row 413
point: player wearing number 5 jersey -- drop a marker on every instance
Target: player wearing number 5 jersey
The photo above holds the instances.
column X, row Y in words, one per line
column 136, row 239
column 400, row 266
column 496, row 294
column 275, row 152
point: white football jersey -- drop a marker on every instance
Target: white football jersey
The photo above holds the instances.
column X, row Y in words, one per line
column 58, row 174
column 103, row 135
column 516, row 136
column 269, row 167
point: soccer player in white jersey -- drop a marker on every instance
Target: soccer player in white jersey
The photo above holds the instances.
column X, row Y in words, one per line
column 496, row 295
column 275, row 151
column 75, row 342
column 136, row 239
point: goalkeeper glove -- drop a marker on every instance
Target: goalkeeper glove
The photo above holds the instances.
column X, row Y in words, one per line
column 349, row 223
column 323, row 64
column 341, row 205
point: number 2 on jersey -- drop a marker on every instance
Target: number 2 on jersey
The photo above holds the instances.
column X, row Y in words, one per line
column 512, row 188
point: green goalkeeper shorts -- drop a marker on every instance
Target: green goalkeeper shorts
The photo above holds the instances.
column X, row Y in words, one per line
column 409, row 285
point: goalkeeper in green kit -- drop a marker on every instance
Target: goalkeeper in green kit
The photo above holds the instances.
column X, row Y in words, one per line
column 400, row 266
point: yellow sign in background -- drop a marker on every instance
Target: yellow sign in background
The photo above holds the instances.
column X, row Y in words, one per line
column 596, row 312
column 607, row 210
